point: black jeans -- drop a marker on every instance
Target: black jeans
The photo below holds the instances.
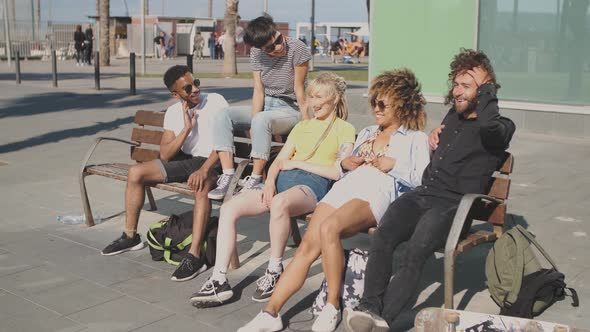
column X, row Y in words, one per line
column 424, row 221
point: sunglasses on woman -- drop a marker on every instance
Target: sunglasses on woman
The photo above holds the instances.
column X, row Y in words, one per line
column 379, row 103
column 189, row 87
column 270, row 48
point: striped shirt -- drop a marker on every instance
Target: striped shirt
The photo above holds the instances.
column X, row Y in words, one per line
column 278, row 73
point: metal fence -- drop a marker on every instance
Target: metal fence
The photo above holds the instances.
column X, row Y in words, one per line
column 37, row 40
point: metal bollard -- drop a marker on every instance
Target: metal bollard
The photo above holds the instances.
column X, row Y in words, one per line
column 189, row 62
column 132, row 74
column 17, row 63
column 96, row 71
column 54, row 67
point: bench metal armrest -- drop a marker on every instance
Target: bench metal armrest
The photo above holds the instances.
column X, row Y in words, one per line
column 461, row 216
column 95, row 144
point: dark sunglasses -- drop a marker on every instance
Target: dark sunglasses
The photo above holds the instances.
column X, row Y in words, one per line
column 278, row 41
column 379, row 103
column 189, row 87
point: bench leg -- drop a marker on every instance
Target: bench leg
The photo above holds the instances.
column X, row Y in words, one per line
column 150, row 196
column 85, row 201
column 449, row 263
column 295, row 234
column 234, row 262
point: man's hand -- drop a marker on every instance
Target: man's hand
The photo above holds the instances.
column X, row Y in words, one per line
column 480, row 76
column 350, row 163
column 433, row 137
column 268, row 192
column 189, row 120
column 197, row 180
column 384, row 164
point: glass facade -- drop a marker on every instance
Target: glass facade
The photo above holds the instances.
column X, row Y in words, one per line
column 540, row 49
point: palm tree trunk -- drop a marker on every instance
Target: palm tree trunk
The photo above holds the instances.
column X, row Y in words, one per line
column 105, row 58
column 230, row 66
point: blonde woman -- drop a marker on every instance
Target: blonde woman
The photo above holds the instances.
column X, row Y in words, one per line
column 388, row 159
column 297, row 180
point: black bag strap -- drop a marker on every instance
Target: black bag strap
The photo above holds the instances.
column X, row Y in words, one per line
column 575, row 299
column 532, row 239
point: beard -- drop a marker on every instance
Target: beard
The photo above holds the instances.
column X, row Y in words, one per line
column 467, row 109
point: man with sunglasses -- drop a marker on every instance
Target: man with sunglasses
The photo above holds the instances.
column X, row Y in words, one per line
column 186, row 153
column 465, row 150
column 279, row 66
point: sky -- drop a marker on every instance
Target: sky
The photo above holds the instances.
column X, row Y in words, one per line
column 291, row 11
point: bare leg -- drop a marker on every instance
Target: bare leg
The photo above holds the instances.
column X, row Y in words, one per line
column 292, row 279
column 227, row 159
column 201, row 214
column 247, row 204
column 137, row 177
column 258, row 166
column 351, row 218
column 290, row 203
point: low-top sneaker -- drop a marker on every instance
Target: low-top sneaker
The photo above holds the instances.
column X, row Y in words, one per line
column 361, row 319
column 212, row 294
column 189, row 267
column 123, row 244
column 250, row 182
column 222, row 186
column 327, row 319
column 265, row 285
column 263, row 322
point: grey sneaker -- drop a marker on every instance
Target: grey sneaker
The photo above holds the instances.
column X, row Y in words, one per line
column 222, row 186
column 265, row 285
column 361, row 319
column 251, row 183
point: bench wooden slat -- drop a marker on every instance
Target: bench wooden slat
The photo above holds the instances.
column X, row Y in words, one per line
column 149, row 118
column 500, row 188
column 179, row 188
column 508, row 165
column 474, row 239
column 113, row 171
column 146, row 136
column 141, row 154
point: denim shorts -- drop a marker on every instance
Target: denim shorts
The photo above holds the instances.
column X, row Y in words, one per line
column 295, row 177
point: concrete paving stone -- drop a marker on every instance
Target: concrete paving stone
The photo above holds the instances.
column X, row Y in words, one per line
column 11, row 263
column 36, row 280
column 161, row 288
column 18, row 314
column 178, row 323
column 74, row 296
column 121, row 314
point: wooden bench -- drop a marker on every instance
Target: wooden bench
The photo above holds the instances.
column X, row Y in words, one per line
column 489, row 208
column 144, row 146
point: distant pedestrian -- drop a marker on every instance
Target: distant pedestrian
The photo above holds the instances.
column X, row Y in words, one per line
column 211, row 45
column 219, row 46
column 79, row 45
column 199, row 43
column 171, row 45
column 88, row 42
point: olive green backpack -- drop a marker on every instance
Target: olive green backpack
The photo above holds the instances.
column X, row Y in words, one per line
column 517, row 282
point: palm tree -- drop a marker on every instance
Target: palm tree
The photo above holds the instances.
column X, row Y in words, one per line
column 105, row 53
column 230, row 66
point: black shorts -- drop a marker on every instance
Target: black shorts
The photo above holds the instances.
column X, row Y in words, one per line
column 181, row 166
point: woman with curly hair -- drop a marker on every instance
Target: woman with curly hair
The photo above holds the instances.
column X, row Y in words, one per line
column 388, row 159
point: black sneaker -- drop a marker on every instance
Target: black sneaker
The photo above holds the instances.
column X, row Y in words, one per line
column 189, row 267
column 123, row 244
column 265, row 285
column 212, row 294
column 361, row 319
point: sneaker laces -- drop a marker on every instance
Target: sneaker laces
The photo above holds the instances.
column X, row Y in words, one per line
column 208, row 287
column 224, row 180
column 250, row 182
column 268, row 280
column 186, row 264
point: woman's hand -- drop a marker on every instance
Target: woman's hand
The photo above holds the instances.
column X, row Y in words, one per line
column 268, row 192
column 384, row 164
column 351, row 163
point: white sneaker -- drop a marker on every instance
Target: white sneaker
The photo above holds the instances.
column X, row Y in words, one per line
column 263, row 322
column 249, row 183
column 327, row 320
column 222, row 187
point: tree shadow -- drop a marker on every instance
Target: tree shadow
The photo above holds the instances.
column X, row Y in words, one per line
column 57, row 136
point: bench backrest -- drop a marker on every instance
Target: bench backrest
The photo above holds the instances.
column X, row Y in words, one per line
column 149, row 130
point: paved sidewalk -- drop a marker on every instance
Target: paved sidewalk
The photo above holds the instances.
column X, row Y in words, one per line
column 52, row 277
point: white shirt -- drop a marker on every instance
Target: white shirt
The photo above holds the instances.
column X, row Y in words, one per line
column 199, row 141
